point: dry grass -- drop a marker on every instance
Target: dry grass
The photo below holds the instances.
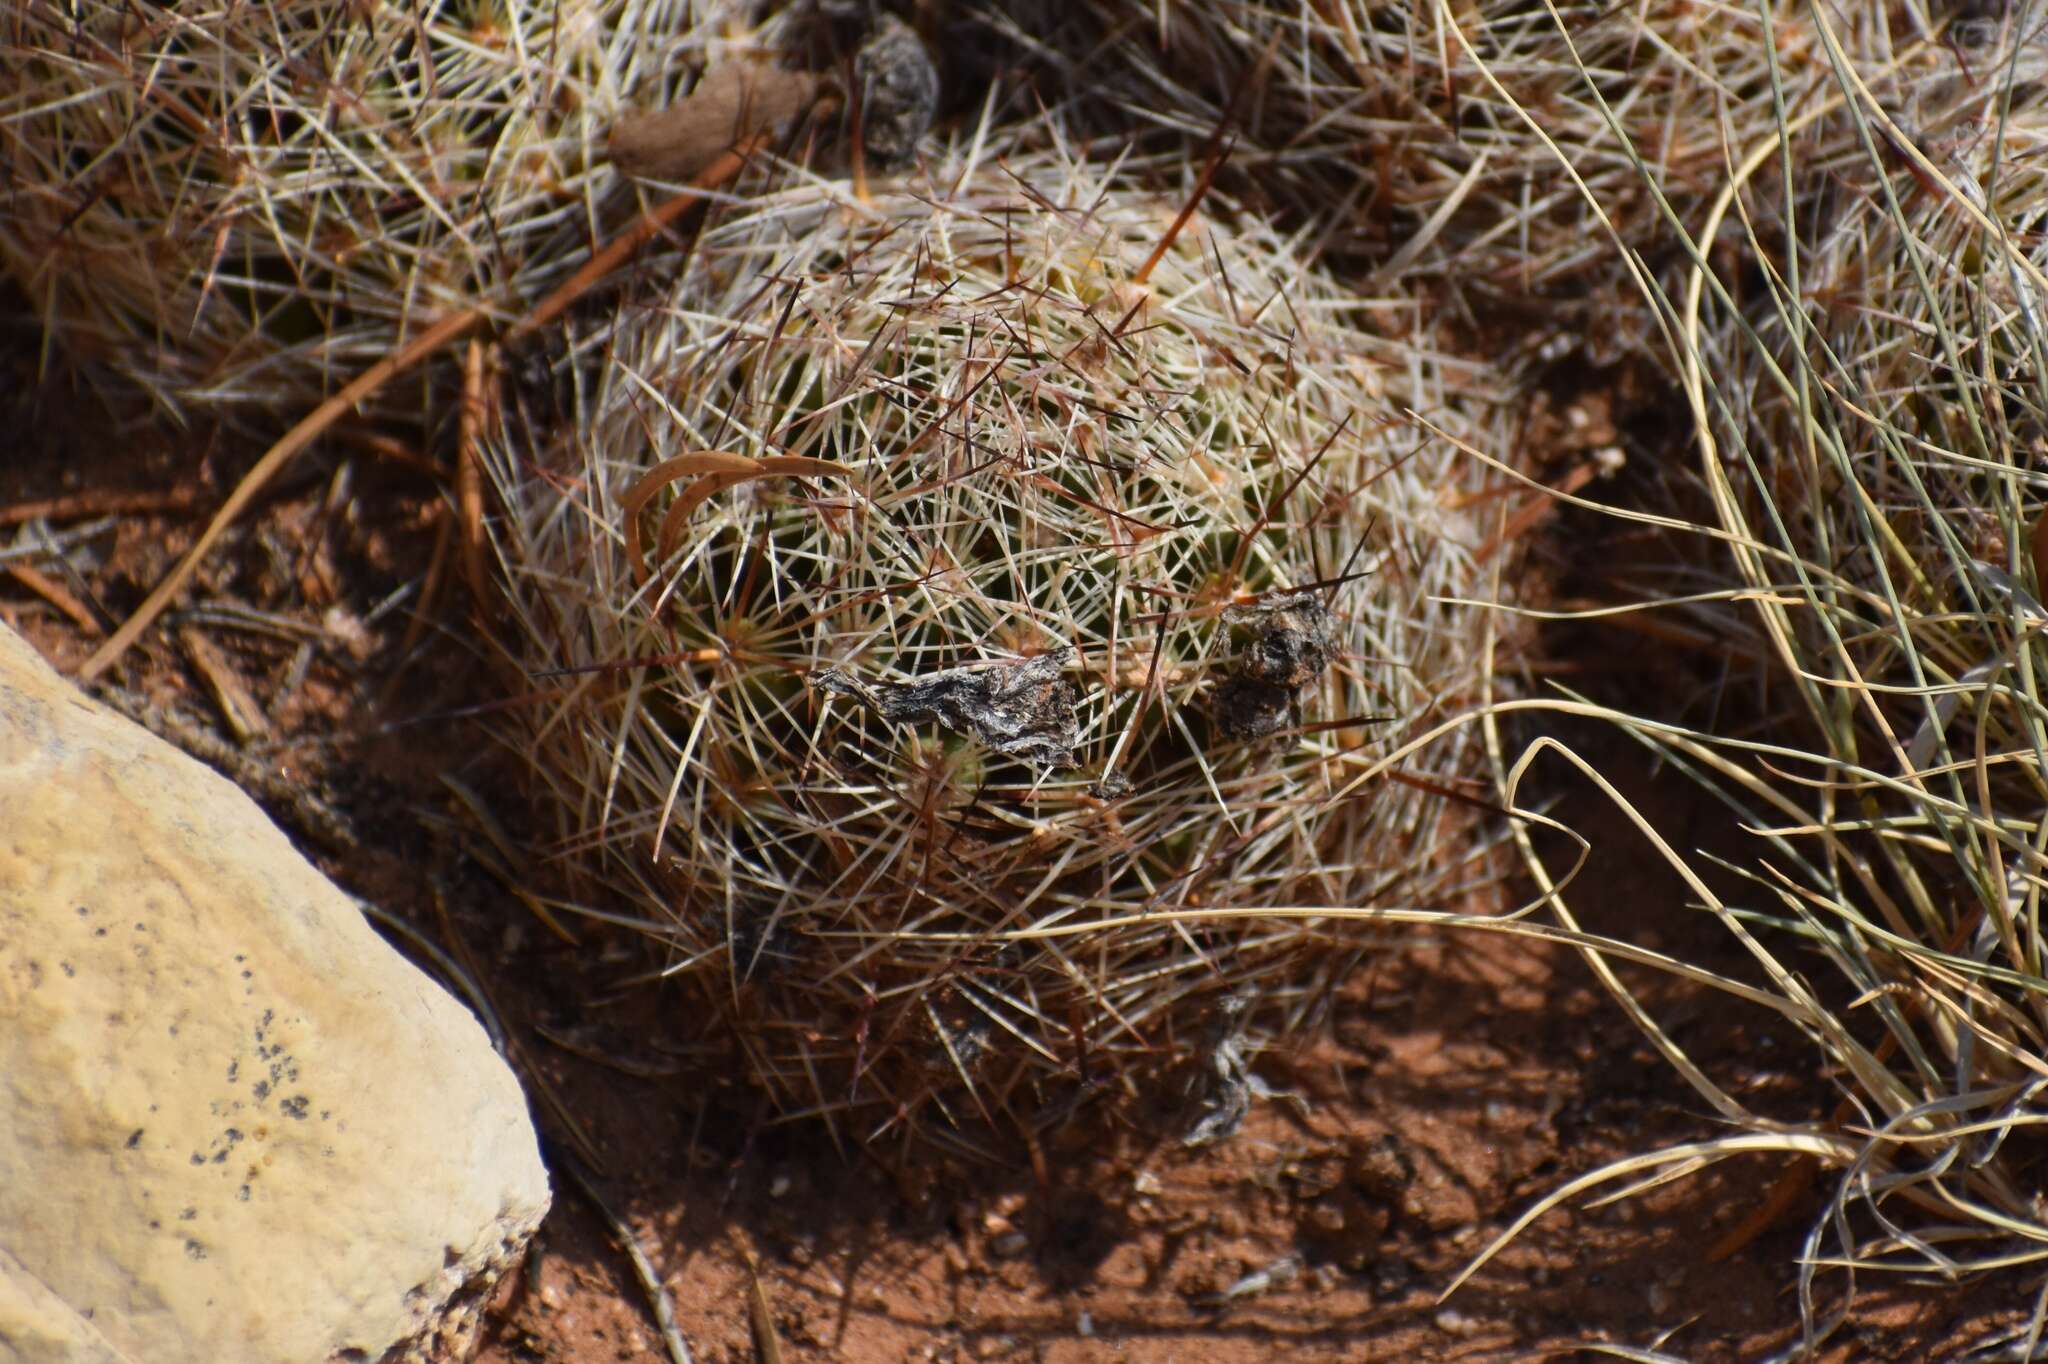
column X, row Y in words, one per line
column 1395, row 133
column 1855, row 323
column 999, row 412
column 236, row 206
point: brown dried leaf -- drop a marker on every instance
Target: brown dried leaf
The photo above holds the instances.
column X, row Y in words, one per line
column 730, row 104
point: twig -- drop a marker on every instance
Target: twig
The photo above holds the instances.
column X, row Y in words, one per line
column 643, row 1268
column 57, row 595
column 469, row 487
column 266, row 468
column 376, row 376
column 100, row 502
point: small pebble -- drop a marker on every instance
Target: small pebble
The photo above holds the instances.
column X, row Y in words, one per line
column 1454, row 1323
column 1009, row 1245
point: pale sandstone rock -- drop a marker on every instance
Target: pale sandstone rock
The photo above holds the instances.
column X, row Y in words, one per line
column 38, row 1327
column 234, row 1124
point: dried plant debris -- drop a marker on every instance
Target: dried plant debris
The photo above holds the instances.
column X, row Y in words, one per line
column 1286, row 653
column 1111, row 785
column 1022, row 710
column 1245, row 710
column 1904, row 655
column 899, row 90
column 1224, row 1086
column 1290, row 639
column 730, row 104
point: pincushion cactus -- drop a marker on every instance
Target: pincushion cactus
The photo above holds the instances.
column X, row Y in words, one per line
column 232, row 205
column 963, row 613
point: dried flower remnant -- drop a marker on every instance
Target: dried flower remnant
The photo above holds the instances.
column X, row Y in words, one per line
column 1110, row 786
column 1287, row 653
column 1245, row 710
column 899, row 90
column 730, row 104
column 1290, row 644
column 1022, row 710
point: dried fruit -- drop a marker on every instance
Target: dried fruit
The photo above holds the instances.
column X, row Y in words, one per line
column 1021, row 710
column 899, row 90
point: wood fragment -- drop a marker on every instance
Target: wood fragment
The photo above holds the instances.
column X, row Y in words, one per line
column 469, row 479
column 240, row 709
column 100, row 502
column 730, row 105
column 59, row 596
